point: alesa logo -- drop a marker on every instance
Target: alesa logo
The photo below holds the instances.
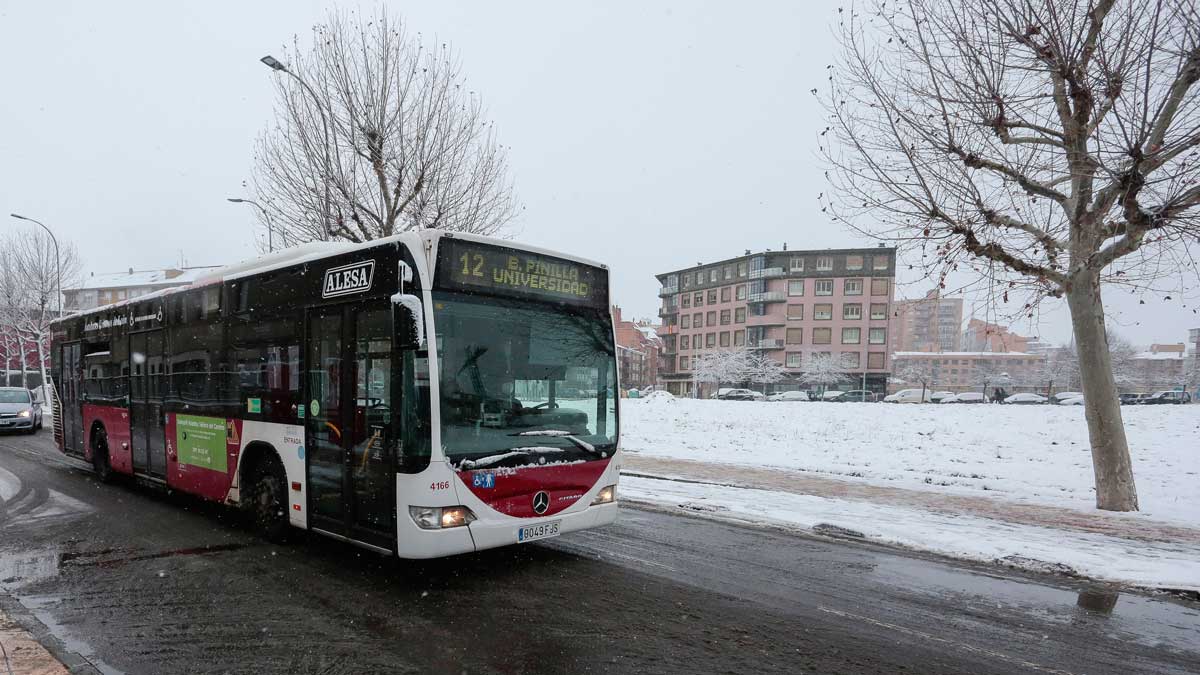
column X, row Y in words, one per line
column 347, row 279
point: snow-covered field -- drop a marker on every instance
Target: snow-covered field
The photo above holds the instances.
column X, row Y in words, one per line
column 1037, row 454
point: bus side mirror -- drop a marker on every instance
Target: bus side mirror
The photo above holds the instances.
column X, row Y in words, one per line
column 408, row 321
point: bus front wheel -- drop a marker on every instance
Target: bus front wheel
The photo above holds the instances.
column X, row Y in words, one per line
column 268, row 501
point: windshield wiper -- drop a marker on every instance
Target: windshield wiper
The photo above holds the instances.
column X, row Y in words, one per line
column 559, row 433
column 489, row 460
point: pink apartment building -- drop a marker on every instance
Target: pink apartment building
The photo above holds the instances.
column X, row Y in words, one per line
column 791, row 304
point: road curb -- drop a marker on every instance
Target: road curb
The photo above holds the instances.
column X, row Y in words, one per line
column 57, row 657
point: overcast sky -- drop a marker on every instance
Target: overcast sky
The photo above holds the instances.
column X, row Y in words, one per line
column 647, row 135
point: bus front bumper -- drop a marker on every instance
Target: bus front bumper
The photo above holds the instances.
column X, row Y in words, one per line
column 483, row 534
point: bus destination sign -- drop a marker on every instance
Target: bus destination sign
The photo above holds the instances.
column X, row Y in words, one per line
column 473, row 266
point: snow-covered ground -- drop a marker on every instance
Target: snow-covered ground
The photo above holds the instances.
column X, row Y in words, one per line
column 1034, row 455
column 1038, row 454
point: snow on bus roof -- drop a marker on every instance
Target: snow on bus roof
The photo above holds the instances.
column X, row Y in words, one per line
column 287, row 257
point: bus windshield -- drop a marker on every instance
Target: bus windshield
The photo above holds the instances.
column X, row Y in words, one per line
column 524, row 382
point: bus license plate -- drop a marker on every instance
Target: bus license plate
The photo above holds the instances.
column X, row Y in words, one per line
column 539, row 531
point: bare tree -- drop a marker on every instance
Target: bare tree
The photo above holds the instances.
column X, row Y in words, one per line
column 726, row 366
column 917, row 371
column 824, row 370
column 391, row 127
column 761, row 368
column 1045, row 146
column 1059, row 368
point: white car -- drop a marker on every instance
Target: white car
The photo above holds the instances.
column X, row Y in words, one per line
column 1024, row 399
column 1064, row 395
column 1072, row 400
column 966, row 397
column 908, row 396
column 940, row 396
column 789, row 396
column 830, row 395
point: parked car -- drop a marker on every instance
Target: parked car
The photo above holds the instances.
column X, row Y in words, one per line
column 966, row 397
column 741, row 395
column 19, row 410
column 908, row 396
column 789, row 396
column 940, row 396
column 1167, row 398
column 1062, row 395
column 830, row 395
column 1132, row 398
column 1072, row 400
column 1024, row 399
column 855, row 395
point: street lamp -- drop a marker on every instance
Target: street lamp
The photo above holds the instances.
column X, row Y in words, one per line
column 266, row 216
column 57, row 256
column 274, row 64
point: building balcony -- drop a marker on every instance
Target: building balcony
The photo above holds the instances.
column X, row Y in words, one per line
column 765, row 320
column 769, row 296
column 766, row 273
column 768, row 343
column 667, row 290
column 664, row 312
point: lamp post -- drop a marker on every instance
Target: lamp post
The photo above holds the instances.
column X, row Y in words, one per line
column 57, row 256
column 274, row 64
column 266, row 217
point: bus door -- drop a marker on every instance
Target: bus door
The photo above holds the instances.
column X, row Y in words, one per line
column 145, row 403
column 68, row 394
column 349, row 423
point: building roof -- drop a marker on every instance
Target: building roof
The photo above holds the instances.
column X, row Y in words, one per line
column 787, row 251
column 141, row 278
column 1159, row 356
column 975, row 354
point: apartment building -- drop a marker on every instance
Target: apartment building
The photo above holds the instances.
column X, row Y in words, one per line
column 982, row 336
column 106, row 288
column 639, row 351
column 969, row 371
column 928, row 324
column 789, row 304
column 1162, row 366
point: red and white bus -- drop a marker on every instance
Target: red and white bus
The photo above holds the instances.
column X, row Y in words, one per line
column 422, row 395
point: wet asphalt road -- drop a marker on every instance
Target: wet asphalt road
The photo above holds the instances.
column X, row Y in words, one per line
column 126, row 579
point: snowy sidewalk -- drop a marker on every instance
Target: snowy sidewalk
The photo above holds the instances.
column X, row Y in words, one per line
column 1122, row 548
column 1126, row 526
column 20, row 654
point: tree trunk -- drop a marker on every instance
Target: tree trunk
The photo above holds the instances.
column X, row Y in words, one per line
column 1115, row 489
column 24, row 365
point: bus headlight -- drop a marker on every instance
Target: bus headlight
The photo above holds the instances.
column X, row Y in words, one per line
column 605, row 495
column 440, row 517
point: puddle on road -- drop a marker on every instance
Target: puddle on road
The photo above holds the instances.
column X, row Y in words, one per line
column 41, row 606
column 27, row 567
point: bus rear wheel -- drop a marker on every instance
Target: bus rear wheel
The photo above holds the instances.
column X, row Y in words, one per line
column 268, row 502
column 100, row 463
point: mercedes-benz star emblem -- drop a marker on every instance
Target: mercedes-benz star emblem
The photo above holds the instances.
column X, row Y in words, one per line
column 541, row 502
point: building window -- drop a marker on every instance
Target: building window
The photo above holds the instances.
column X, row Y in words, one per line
column 685, row 342
column 795, row 287
column 878, row 311
column 687, row 280
column 825, row 264
column 793, row 359
column 852, row 311
column 712, row 297
column 851, row 360
column 685, row 300
column 796, row 265
column 685, row 321
column 739, row 315
column 724, row 317
column 875, row 360
column 877, row 336
column 854, row 262
column 794, row 336
column 741, row 292
column 712, row 274
column 823, row 286
column 739, row 338
column 881, row 262
column 726, row 293
column 711, row 319
column 697, row 320
column 879, row 287
column 728, row 272
column 822, row 336
column 698, row 299
column 741, row 269
column 851, row 336
column 683, row 362
column 725, row 338
column 823, row 312
column 852, row 287
column 795, row 312
column 710, row 340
